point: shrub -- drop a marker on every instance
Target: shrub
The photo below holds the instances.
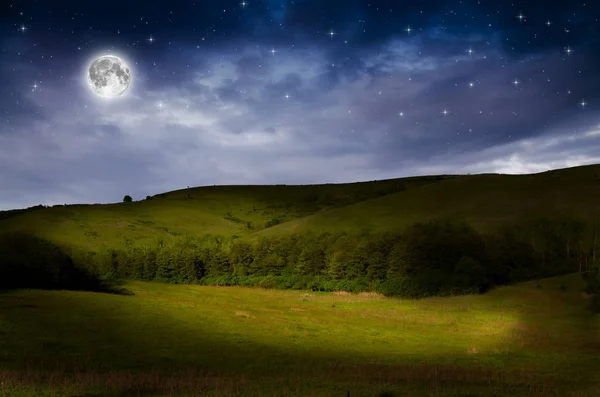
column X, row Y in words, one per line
column 405, row 287
column 469, row 275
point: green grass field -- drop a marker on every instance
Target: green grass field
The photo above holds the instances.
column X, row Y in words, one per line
column 193, row 340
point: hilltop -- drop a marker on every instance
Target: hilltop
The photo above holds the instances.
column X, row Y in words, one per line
column 218, row 210
column 486, row 201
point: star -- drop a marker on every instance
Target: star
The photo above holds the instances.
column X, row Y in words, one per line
column 521, row 17
column 151, row 39
column 331, row 33
column 470, row 51
column 273, row 51
column 160, row 105
column 516, row 83
column 401, row 114
column 23, row 28
column 568, row 50
column 583, row 103
column 445, row 112
column 471, row 84
column 34, row 86
column 548, row 23
column 408, row 29
column 244, row 4
column 287, row 96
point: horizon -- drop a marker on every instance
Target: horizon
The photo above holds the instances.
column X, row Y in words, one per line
column 143, row 198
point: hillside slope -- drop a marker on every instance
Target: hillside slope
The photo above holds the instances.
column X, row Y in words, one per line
column 221, row 210
column 486, row 201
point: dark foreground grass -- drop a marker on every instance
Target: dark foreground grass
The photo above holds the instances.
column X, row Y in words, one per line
column 214, row 341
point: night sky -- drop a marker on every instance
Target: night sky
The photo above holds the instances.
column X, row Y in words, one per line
column 294, row 92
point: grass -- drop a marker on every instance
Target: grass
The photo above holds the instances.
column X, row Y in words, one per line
column 219, row 210
column 195, row 340
column 486, row 201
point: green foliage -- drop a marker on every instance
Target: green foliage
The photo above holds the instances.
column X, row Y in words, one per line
column 241, row 258
column 470, row 276
column 408, row 287
column 343, row 261
column 149, row 263
column 438, row 257
column 272, row 222
column 127, row 199
column 311, row 259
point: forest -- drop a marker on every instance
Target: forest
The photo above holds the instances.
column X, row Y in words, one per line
column 439, row 257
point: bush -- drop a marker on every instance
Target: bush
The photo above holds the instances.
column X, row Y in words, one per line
column 406, row 287
column 127, row 199
column 469, row 276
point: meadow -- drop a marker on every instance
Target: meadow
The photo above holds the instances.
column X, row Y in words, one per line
column 534, row 338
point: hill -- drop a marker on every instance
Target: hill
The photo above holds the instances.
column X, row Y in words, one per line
column 218, row 210
column 487, row 202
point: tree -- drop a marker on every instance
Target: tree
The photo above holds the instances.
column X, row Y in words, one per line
column 127, row 199
column 240, row 258
column 470, row 276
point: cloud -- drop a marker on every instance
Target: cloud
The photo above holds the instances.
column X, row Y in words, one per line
column 306, row 114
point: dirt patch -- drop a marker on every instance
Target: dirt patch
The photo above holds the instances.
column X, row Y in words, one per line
column 306, row 297
column 371, row 295
column 243, row 314
column 342, row 293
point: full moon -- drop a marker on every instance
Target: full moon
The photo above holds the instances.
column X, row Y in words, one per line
column 108, row 76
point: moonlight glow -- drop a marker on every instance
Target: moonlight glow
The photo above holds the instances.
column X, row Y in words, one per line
column 108, row 76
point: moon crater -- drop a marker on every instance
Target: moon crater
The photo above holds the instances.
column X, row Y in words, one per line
column 108, row 76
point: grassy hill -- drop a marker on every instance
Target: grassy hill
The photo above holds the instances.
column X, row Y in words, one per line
column 221, row 210
column 486, row 201
column 520, row 340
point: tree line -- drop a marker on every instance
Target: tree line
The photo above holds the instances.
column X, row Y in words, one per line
column 438, row 257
